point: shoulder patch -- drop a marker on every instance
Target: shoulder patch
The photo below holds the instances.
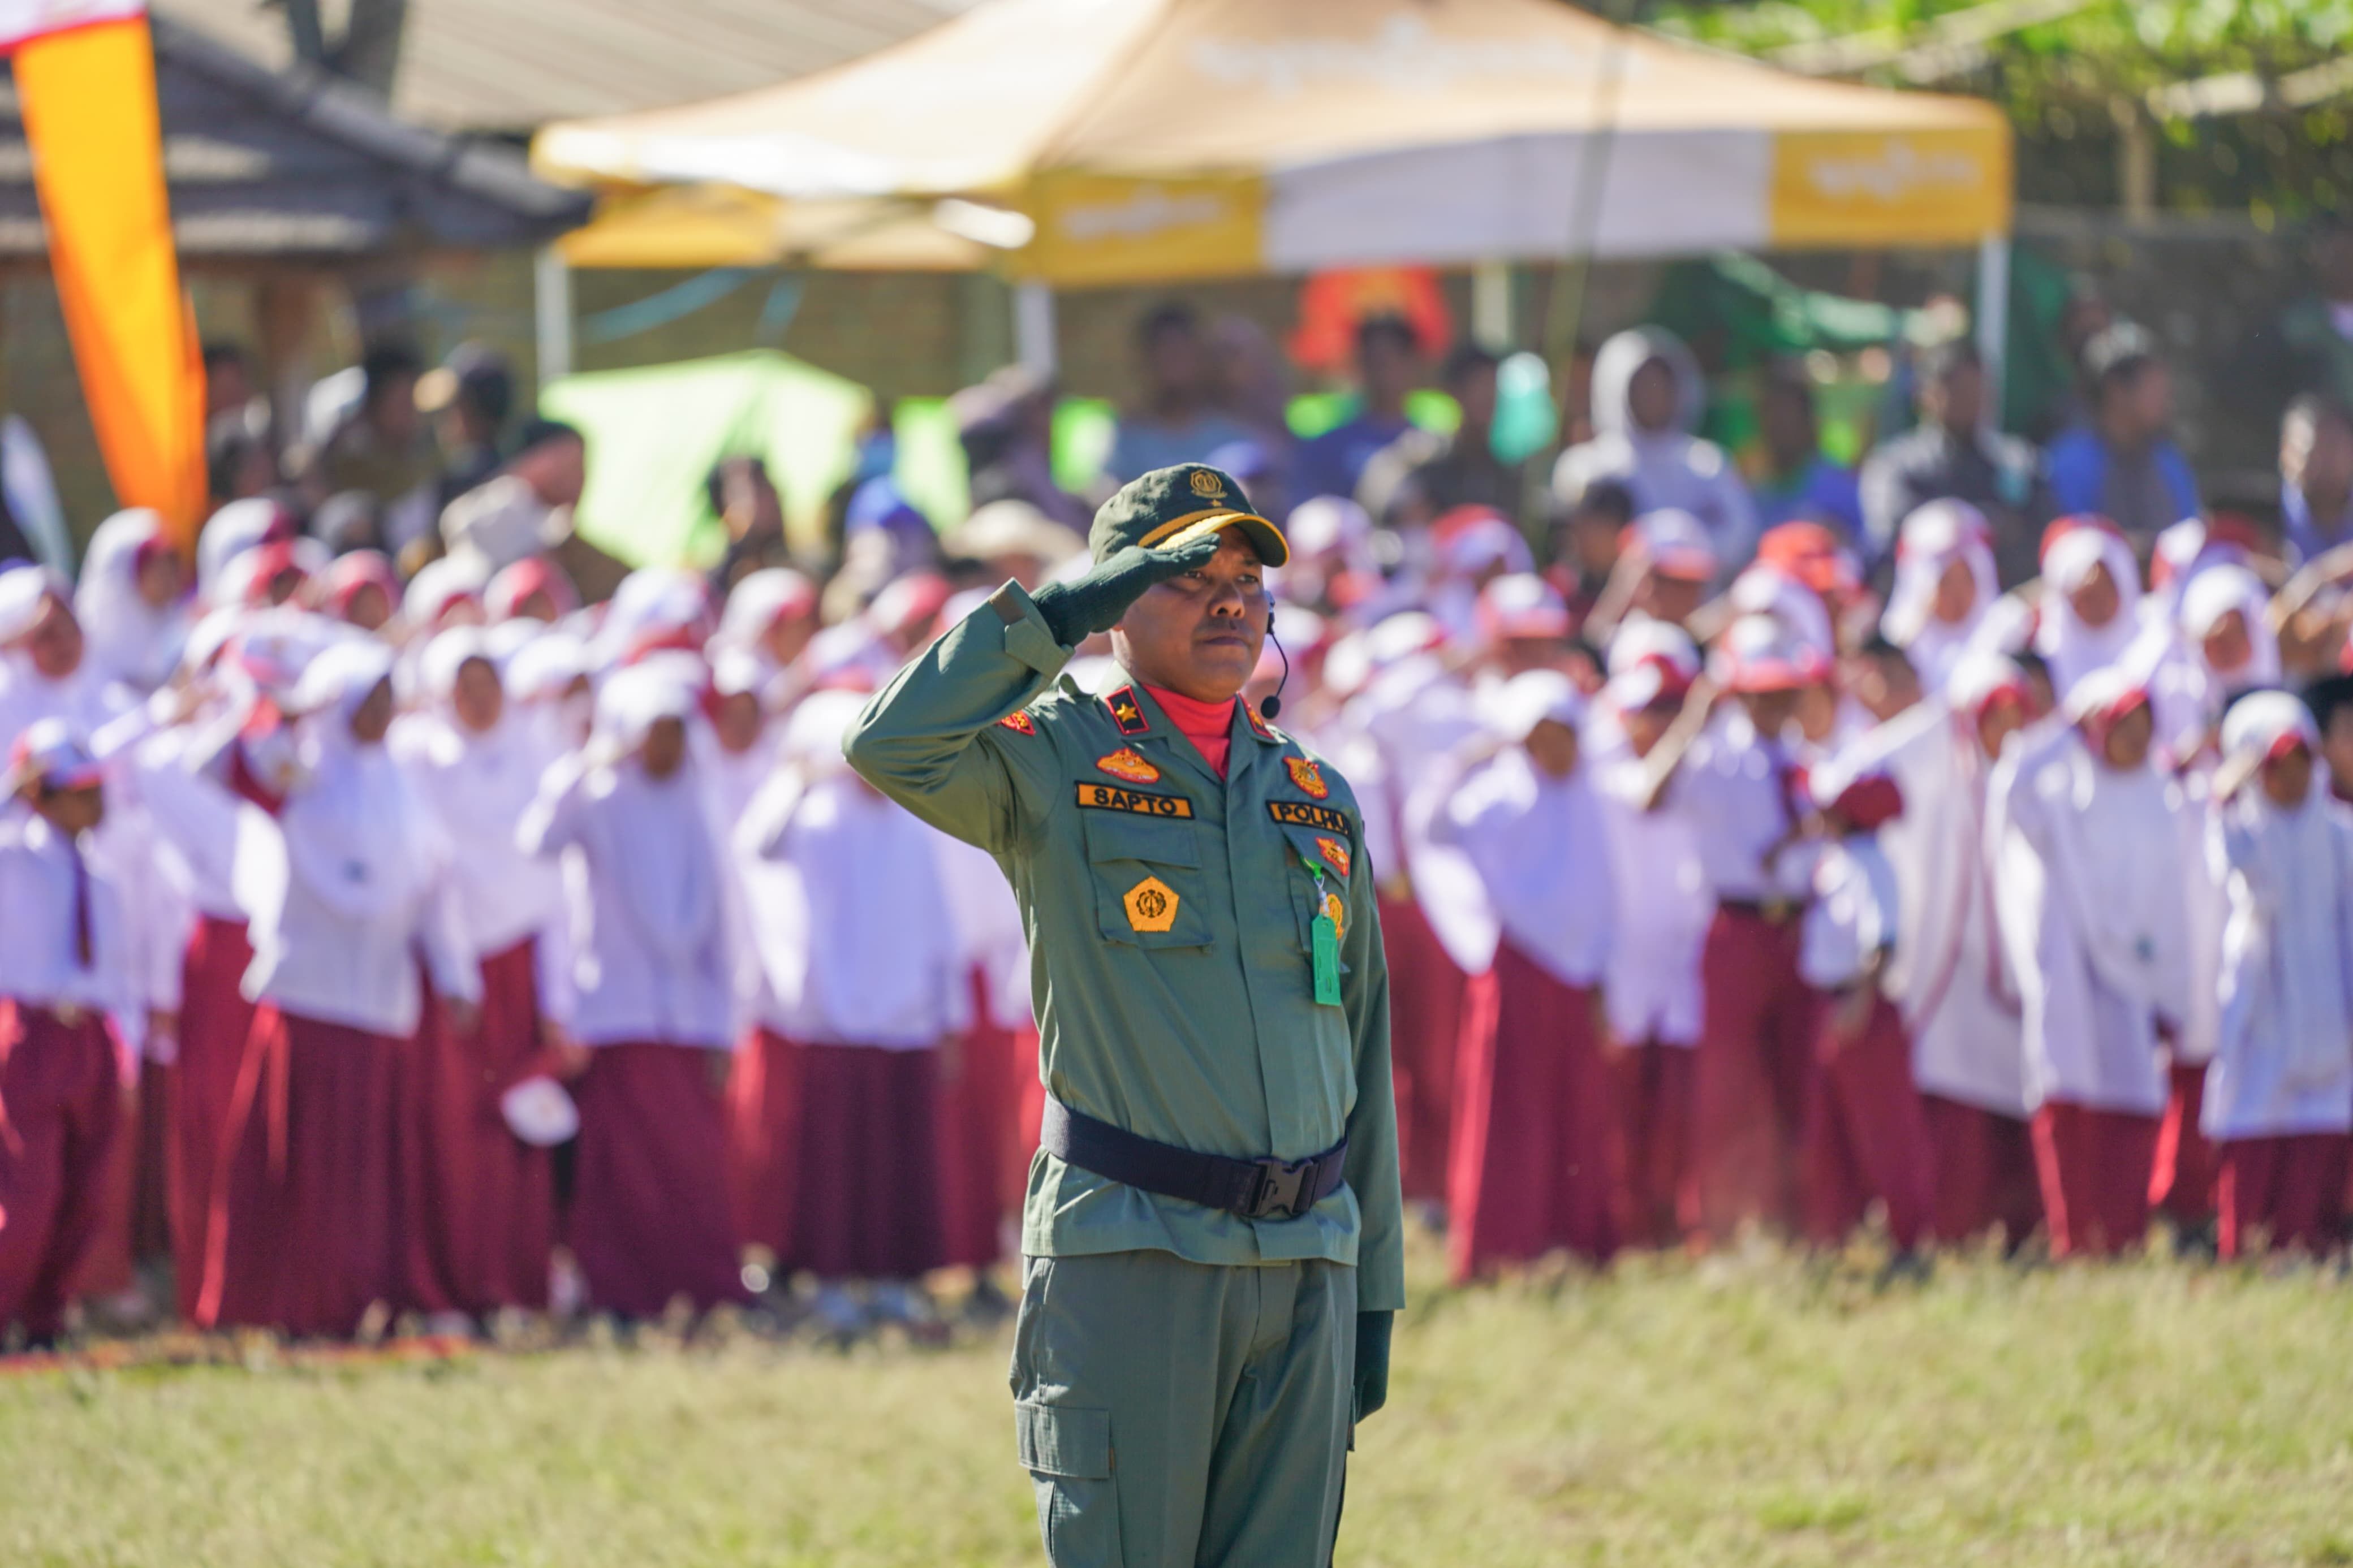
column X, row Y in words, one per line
column 1019, row 722
column 1112, row 798
column 1299, row 814
column 1308, row 777
column 1334, row 852
column 1127, row 714
column 1259, row 726
column 1129, row 763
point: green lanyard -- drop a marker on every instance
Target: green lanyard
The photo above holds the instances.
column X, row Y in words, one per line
column 1323, row 942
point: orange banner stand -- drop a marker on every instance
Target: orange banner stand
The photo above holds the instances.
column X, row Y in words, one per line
column 85, row 75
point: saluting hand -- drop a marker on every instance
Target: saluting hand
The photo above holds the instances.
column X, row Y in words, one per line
column 1077, row 611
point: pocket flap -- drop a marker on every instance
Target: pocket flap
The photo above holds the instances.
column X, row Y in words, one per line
column 1124, row 836
column 1064, row 1440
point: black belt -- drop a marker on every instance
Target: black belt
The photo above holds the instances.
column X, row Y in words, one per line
column 1773, row 911
column 1254, row 1189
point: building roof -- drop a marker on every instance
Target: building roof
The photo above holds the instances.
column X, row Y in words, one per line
column 295, row 164
column 509, row 66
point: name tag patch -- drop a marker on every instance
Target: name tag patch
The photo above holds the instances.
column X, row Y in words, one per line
column 1299, row 813
column 1095, row 797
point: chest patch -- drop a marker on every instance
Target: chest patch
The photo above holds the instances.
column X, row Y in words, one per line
column 1299, row 814
column 1308, row 777
column 1129, row 763
column 1150, row 906
column 1334, row 852
column 1019, row 722
column 1095, row 797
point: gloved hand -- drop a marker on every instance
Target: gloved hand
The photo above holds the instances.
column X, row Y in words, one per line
column 1076, row 611
column 1372, row 1361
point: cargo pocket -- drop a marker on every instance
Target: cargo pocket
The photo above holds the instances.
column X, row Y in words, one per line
column 1066, row 1451
column 1148, row 880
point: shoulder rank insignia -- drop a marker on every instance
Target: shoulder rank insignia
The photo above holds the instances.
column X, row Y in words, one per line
column 1304, row 773
column 1019, row 722
column 1336, row 854
column 1128, row 764
column 1127, row 714
column 1151, row 905
column 1259, row 726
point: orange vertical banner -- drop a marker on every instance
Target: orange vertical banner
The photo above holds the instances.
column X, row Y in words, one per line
column 86, row 89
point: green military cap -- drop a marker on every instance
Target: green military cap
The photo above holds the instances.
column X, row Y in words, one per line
column 1176, row 506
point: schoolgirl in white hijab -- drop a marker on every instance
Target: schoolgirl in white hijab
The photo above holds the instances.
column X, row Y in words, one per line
column 2220, row 646
column 131, row 601
column 1944, row 588
column 651, row 999
column 2279, row 1098
column 2081, row 553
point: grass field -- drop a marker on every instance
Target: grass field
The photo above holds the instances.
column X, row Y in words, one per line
column 1744, row 1411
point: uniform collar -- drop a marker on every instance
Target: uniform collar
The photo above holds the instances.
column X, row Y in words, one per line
column 1139, row 719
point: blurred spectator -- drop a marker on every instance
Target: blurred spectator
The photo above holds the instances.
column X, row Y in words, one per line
column 1176, row 421
column 1592, row 536
column 525, row 509
column 2318, row 328
column 1952, row 455
column 1421, row 476
column 2316, row 466
column 1252, row 381
column 1007, row 425
column 1388, row 367
column 347, row 522
column 1012, row 539
column 228, row 380
column 237, row 462
column 1647, row 398
column 1265, row 477
column 745, row 500
column 2122, row 463
column 1794, row 480
column 383, row 446
column 468, row 397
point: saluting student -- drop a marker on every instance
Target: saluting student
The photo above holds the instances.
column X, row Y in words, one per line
column 345, row 896
column 652, row 1002
column 2094, row 854
column 66, row 993
column 1532, row 1113
column 2279, row 1098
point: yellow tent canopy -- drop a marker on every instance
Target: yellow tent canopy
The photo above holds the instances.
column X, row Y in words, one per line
column 1147, row 140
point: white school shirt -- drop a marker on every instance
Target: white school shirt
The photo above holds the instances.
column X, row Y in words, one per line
column 651, row 964
column 2092, row 875
column 1735, row 786
column 477, row 788
column 2283, row 1063
column 1852, row 916
column 39, row 965
column 1949, row 978
column 1542, row 857
column 337, row 934
column 1663, row 905
column 862, row 944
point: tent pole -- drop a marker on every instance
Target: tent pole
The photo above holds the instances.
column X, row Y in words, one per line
column 552, row 313
column 1491, row 305
column 1033, row 326
column 1993, row 317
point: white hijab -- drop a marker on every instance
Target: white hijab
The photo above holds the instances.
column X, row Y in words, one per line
column 2072, row 648
column 355, row 833
column 1934, row 537
column 665, row 861
column 130, row 640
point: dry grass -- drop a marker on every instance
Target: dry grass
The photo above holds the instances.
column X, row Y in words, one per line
column 1751, row 1410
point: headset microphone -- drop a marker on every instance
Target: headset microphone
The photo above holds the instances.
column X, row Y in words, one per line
column 1272, row 704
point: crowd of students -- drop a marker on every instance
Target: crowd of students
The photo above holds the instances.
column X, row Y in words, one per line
column 449, row 945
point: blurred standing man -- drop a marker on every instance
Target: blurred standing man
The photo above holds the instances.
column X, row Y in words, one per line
column 2315, row 467
column 1422, row 475
column 1175, row 422
column 1213, row 1231
column 1386, row 370
column 1951, row 455
column 2122, row 463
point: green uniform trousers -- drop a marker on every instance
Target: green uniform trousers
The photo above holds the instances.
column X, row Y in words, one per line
column 1174, row 1413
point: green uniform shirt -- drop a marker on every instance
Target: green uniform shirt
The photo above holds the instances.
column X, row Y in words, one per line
column 1169, row 917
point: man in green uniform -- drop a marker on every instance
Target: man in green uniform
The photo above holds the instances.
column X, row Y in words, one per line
column 1213, row 1230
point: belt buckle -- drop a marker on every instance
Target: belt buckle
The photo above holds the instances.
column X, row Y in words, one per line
column 1777, row 912
column 68, row 1013
column 1282, row 1191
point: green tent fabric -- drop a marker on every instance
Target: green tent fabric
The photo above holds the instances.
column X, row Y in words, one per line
column 654, row 433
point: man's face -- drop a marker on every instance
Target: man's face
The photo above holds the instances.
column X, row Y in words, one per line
column 1174, row 364
column 477, row 697
column 1785, row 417
column 1475, row 389
column 373, row 717
column 54, row 644
column 1594, row 541
column 2287, row 778
column 1651, row 395
column 1552, row 746
column 664, row 751
column 1385, row 365
column 2144, row 400
column 393, row 409
column 1199, row 634
column 1958, row 401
